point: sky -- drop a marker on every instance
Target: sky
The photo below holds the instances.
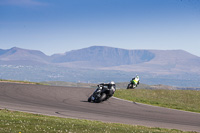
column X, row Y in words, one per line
column 58, row 26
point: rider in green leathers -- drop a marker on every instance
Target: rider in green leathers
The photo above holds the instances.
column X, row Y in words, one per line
column 135, row 81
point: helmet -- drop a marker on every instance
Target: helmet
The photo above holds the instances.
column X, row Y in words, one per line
column 137, row 77
column 112, row 83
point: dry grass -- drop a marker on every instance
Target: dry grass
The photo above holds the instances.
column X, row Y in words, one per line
column 188, row 100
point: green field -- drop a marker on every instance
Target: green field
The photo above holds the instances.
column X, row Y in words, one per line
column 188, row 100
column 16, row 122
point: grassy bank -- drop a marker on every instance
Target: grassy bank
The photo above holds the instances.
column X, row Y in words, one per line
column 15, row 122
column 187, row 100
column 21, row 82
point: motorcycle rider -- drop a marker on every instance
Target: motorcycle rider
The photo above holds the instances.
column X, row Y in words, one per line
column 107, row 90
column 135, row 81
column 111, row 87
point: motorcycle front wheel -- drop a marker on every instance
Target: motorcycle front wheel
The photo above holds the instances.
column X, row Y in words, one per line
column 102, row 98
column 129, row 86
column 89, row 99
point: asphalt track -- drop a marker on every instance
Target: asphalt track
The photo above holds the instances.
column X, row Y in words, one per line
column 71, row 102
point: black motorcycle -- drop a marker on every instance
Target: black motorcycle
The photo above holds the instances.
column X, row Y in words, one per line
column 101, row 94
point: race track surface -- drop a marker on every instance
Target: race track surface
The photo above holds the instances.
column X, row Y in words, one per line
column 71, row 102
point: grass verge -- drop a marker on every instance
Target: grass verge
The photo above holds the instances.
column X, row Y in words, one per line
column 187, row 100
column 22, row 82
column 15, row 122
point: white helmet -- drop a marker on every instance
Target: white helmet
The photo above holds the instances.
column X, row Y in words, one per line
column 112, row 83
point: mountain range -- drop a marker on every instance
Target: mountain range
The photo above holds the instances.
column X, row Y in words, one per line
column 176, row 63
column 108, row 58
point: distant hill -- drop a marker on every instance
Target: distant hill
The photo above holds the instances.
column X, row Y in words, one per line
column 108, row 58
column 101, row 56
column 165, row 62
column 151, row 61
column 159, row 61
column 18, row 56
column 100, row 64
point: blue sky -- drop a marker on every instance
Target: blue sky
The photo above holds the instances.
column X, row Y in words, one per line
column 57, row 26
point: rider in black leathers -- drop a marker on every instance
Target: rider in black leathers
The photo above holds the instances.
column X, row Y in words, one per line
column 110, row 86
column 103, row 92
